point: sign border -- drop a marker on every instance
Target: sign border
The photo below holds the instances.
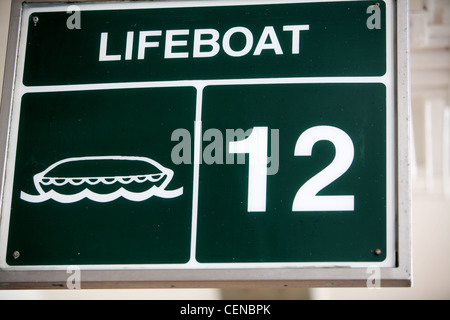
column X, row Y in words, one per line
column 130, row 277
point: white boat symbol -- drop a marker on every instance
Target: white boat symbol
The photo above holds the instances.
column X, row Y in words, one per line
column 133, row 178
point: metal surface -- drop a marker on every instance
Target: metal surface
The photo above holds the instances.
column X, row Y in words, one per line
column 398, row 276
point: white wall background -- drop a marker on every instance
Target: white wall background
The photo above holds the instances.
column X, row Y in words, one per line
column 430, row 39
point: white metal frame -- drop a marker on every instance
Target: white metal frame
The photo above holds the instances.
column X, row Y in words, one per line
column 306, row 276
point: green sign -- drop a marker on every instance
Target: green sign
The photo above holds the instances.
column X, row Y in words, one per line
column 318, row 39
column 204, row 135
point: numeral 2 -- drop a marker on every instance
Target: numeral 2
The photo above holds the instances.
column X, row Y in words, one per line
column 307, row 198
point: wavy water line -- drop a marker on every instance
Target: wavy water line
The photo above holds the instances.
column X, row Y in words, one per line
column 102, row 198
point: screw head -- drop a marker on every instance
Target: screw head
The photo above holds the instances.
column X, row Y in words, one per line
column 16, row 254
column 377, row 252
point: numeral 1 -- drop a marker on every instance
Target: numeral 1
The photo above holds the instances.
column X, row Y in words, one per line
column 256, row 146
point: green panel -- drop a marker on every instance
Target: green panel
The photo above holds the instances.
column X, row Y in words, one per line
column 131, row 122
column 113, row 147
column 228, row 233
column 338, row 43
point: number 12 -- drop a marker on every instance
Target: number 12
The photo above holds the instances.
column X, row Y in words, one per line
column 256, row 146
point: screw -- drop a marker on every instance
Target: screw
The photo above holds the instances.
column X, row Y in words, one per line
column 377, row 4
column 35, row 20
column 16, row 255
column 377, row 252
